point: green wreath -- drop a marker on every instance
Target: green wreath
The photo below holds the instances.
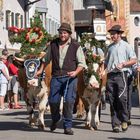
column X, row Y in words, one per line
column 33, row 40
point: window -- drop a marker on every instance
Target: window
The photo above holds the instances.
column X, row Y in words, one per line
column 12, row 19
column 137, row 21
column 8, row 20
column 136, row 44
column 49, row 25
column 56, row 28
column 21, row 21
column 53, row 28
column 17, row 20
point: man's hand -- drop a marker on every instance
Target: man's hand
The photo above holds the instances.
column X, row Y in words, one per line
column 120, row 66
column 72, row 74
column 38, row 73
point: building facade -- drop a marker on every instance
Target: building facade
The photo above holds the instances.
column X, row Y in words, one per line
column 127, row 14
column 91, row 17
column 134, row 24
column 53, row 16
column 67, row 13
column 19, row 13
column 12, row 15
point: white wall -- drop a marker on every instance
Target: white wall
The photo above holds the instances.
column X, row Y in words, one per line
column 78, row 4
column 15, row 8
column 53, row 16
column 134, row 30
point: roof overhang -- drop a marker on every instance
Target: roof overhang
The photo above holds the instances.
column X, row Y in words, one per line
column 83, row 17
column 108, row 5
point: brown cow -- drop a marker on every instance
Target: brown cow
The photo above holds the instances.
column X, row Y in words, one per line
column 90, row 94
column 34, row 91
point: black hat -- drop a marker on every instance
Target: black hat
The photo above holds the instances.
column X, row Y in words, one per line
column 65, row 27
column 116, row 28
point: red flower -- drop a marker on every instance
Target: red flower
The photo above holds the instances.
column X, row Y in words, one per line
column 14, row 29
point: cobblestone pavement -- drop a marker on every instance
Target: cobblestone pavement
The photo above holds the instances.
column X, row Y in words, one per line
column 14, row 126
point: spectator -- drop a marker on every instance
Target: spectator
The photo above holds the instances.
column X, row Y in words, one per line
column 4, row 77
column 5, row 52
column 13, row 83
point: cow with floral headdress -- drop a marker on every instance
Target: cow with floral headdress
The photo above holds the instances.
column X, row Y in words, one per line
column 33, row 42
column 93, row 83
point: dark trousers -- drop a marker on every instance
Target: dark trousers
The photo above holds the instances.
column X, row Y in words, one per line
column 66, row 87
column 117, row 94
column 129, row 94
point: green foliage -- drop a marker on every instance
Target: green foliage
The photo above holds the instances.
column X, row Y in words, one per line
column 90, row 42
column 33, row 40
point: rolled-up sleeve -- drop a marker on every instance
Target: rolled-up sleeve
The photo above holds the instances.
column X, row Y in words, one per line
column 131, row 53
column 81, row 58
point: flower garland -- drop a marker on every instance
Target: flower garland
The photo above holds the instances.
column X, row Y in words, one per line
column 33, row 40
column 35, row 35
column 88, row 42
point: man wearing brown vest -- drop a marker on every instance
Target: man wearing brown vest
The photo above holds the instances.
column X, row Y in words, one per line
column 67, row 61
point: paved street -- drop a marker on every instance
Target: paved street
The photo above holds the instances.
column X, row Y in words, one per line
column 14, row 126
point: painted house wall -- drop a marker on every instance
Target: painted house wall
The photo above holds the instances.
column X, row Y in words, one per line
column 133, row 29
column 53, row 16
column 15, row 7
column 78, row 4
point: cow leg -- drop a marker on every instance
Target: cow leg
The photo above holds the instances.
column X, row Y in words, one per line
column 93, row 116
column 32, row 118
column 80, row 109
column 97, row 114
column 42, row 108
column 89, row 118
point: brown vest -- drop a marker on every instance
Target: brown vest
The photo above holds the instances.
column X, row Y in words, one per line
column 70, row 62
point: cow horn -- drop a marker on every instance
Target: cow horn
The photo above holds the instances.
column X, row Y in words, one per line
column 19, row 59
column 42, row 54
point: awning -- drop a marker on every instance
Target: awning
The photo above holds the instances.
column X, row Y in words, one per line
column 83, row 17
column 98, row 4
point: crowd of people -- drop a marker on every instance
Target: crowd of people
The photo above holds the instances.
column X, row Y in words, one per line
column 9, row 84
column 67, row 61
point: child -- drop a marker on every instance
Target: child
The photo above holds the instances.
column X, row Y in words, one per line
column 4, row 77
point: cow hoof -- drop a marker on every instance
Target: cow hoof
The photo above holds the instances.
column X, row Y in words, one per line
column 97, row 123
column 79, row 116
column 31, row 124
column 95, row 127
column 87, row 126
column 41, row 127
column 91, row 128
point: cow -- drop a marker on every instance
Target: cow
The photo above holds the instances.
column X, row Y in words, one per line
column 35, row 89
column 39, row 92
column 90, row 89
column 92, row 94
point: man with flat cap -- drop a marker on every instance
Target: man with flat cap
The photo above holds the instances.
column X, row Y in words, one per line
column 120, row 57
column 67, row 61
